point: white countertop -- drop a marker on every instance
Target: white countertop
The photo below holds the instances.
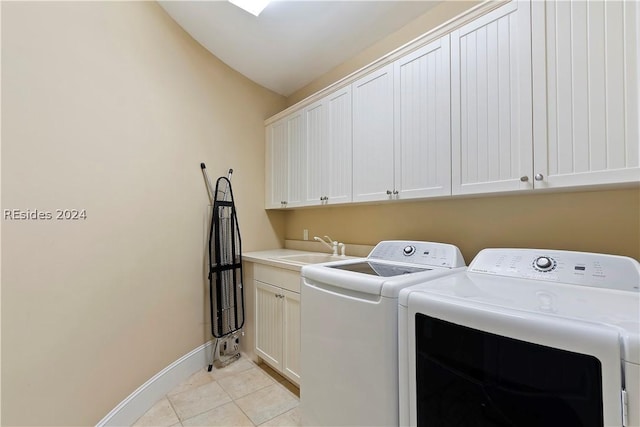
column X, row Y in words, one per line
column 271, row 257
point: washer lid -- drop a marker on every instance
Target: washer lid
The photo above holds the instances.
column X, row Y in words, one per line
column 379, row 269
column 339, row 277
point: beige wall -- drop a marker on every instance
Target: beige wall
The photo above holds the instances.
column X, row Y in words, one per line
column 594, row 221
column 111, row 107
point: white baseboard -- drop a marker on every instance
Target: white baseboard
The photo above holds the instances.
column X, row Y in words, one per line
column 141, row 400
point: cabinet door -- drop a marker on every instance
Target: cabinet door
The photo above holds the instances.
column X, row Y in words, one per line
column 586, row 98
column 373, row 136
column 339, row 146
column 491, row 102
column 422, row 122
column 328, row 149
column 296, row 160
column 268, row 328
column 277, row 175
column 315, row 117
column 291, row 336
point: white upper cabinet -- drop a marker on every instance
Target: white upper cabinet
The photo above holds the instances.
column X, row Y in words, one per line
column 422, row 122
column 340, row 147
column 277, row 168
column 328, row 149
column 285, row 156
column 316, row 130
column 373, row 136
column 401, row 128
column 585, row 70
column 525, row 95
column 491, row 102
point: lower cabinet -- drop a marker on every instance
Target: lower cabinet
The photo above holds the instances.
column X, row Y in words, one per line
column 277, row 332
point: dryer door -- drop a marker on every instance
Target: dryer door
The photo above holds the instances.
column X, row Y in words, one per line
column 473, row 364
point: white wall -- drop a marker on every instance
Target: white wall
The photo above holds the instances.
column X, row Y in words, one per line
column 111, row 107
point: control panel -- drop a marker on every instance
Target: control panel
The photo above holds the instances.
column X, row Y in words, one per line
column 577, row 268
column 418, row 253
column 544, row 264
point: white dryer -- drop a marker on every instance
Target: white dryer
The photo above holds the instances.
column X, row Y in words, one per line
column 349, row 331
column 524, row 337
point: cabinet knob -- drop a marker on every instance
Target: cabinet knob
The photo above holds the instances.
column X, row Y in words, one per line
column 524, row 178
column 539, row 177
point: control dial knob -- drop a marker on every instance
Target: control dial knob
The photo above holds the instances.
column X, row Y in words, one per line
column 408, row 250
column 544, row 263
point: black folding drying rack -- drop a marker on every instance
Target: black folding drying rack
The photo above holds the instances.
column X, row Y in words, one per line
column 226, row 292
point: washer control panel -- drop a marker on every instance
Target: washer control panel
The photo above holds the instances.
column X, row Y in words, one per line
column 409, row 250
column 578, row 268
column 418, row 253
column 544, row 264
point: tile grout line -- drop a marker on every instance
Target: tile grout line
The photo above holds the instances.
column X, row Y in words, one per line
column 245, row 414
column 166, row 396
column 240, row 397
column 203, row 412
column 244, row 395
column 233, row 400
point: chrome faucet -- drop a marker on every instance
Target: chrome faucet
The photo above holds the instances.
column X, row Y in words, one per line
column 331, row 244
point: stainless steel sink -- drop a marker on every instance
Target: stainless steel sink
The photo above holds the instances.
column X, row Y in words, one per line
column 311, row 258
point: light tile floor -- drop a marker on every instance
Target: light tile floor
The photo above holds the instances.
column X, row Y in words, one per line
column 240, row 394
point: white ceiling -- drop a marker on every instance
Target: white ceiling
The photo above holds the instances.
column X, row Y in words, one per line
column 291, row 43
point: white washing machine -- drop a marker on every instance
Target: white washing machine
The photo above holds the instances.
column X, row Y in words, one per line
column 524, row 337
column 349, row 331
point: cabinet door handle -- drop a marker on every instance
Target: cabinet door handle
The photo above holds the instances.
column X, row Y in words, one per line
column 524, row 178
column 395, row 192
column 539, row 177
column 389, row 192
